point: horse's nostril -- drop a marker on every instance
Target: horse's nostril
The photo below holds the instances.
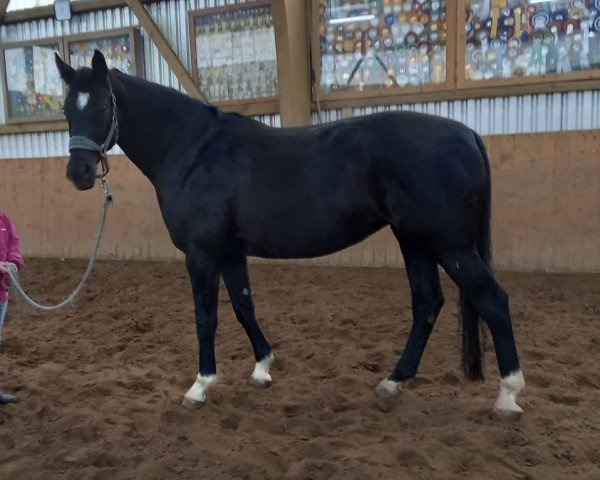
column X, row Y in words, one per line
column 87, row 170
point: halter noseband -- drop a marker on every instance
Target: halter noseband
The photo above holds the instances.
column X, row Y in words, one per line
column 79, row 142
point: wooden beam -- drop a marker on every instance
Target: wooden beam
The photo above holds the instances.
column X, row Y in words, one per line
column 293, row 70
column 3, row 7
column 165, row 49
column 34, row 127
column 384, row 97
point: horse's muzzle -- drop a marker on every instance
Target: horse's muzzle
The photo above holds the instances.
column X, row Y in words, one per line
column 81, row 169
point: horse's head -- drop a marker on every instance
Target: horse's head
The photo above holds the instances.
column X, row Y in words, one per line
column 90, row 109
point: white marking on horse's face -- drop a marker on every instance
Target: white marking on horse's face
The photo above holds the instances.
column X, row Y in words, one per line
column 198, row 390
column 262, row 368
column 510, row 386
column 82, row 100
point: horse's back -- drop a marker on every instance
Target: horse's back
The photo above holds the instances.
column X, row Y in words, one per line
column 406, row 140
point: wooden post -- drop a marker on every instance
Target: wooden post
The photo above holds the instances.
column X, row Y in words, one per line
column 165, row 49
column 293, row 70
column 3, row 7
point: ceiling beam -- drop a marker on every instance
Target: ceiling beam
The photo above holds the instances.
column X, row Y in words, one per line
column 165, row 49
column 3, row 7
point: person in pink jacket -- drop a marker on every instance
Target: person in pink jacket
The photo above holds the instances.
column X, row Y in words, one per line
column 10, row 258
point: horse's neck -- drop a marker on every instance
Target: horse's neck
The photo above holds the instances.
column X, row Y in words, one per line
column 154, row 122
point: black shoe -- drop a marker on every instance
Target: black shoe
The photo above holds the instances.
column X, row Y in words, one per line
column 6, row 398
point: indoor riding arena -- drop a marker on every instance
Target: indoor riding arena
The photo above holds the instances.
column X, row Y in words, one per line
column 313, row 169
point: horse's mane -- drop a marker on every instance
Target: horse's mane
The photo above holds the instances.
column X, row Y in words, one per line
column 168, row 97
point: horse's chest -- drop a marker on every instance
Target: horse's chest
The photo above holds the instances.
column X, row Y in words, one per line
column 194, row 221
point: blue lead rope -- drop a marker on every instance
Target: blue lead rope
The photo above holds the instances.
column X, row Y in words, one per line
column 108, row 200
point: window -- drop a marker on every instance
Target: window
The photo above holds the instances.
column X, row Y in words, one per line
column 234, row 57
column 528, row 38
column 383, row 46
column 32, row 86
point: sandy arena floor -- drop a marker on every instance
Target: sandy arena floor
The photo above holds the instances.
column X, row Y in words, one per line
column 101, row 383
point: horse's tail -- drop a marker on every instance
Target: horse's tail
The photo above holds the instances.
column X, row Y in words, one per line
column 472, row 352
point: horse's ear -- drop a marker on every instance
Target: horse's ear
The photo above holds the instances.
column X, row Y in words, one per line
column 99, row 66
column 67, row 73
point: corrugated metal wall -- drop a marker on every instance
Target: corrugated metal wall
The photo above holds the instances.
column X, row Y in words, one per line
column 508, row 115
column 490, row 116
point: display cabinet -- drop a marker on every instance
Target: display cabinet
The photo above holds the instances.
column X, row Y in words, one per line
column 32, row 88
column 121, row 48
column 370, row 52
column 507, row 43
column 374, row 48
column 234, row 56
column 31, row 84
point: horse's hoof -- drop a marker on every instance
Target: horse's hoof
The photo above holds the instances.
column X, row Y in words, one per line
column 260, row 384
column 500, row 415
column 192, row 404
column 385, row 405
column 6, row 398
column 387, row 389
column 261, row 378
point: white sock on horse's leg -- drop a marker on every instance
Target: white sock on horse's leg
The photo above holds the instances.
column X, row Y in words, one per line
column 196, row 395
column 388, row 388
column 506, row 407
column 261, row 376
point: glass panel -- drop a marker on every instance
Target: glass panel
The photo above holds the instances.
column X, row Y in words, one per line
column 24, row 4
column 517, row 38
column 33, row 83
column 381, row 43
column 236, row 55
column 15, row 5
column 116, row 50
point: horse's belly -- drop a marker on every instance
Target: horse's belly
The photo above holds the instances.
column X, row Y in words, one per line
column 309, row 240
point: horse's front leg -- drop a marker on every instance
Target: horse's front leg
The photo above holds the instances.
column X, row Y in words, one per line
column 204, row 275
column 235, row 275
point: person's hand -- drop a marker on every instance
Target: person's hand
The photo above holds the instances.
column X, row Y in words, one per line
column 6, row 266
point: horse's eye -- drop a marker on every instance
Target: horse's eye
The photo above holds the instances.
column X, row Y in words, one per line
column 104, row 107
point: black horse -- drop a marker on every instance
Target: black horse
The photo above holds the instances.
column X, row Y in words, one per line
column 229, row 187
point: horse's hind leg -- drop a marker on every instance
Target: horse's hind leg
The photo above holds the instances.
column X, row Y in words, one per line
column 427, row 301
column 235, row 275
column 491, row 302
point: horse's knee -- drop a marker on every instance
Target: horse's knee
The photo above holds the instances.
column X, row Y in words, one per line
column 206, row 325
